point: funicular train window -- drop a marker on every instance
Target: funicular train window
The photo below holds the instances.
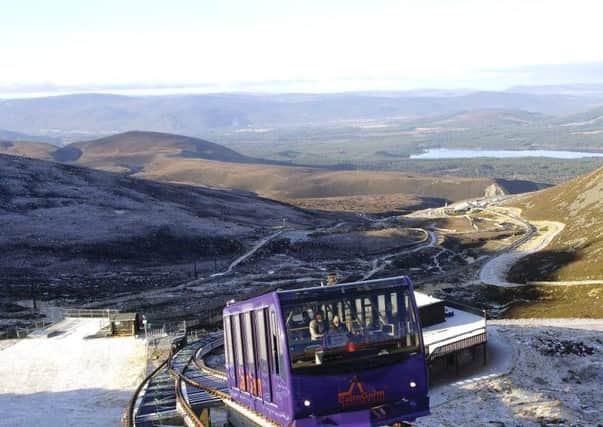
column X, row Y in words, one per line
column 229, row 348
column 276, row 350
column 249, row 352
column 239, row 360
column 263, row 353
column 357, row 326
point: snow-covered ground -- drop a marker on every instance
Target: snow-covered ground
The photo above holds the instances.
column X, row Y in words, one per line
column 68, row 379
column 523, row 385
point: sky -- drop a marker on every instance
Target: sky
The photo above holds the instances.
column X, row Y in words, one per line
column 280, row 45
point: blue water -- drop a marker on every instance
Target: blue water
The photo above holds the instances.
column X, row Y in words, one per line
column 446, row 153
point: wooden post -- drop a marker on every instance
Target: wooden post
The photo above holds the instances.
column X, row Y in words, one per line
column 205, row 417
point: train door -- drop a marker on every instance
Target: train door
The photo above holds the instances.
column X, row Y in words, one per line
column 251, row 361
column 263, row 360
column 240, row 379
column 280, row 390
column 229, row 349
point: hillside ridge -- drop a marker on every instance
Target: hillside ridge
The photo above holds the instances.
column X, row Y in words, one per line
column 577, row 252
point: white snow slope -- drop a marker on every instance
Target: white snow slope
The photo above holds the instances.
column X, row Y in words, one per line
column 526, row 387
column 69, row 380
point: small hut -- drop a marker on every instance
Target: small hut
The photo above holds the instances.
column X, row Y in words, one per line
column 124, row 324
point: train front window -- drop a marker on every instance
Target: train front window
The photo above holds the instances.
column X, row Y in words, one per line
column 354, row 327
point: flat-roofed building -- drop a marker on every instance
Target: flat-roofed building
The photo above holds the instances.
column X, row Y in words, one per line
column 450, row 329
column 124, row 324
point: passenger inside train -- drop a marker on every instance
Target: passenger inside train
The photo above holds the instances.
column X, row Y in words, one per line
column 318, row 326
column 350, row 329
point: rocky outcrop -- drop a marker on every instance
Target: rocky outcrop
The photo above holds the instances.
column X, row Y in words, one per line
column 494, row 190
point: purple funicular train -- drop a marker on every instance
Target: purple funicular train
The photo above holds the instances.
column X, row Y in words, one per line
column 347, row 354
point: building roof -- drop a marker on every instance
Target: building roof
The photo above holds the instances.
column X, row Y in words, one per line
column 424, row 299
column 123, row 317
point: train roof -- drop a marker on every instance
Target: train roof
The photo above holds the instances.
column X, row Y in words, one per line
column 333, row 290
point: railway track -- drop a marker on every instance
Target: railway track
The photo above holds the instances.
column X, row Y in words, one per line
column 179, row 389
column 183, row 388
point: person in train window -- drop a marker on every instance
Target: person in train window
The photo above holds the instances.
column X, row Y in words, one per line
column 356, row 334
column 337, row 327
column 305, row 318
column 318, row 326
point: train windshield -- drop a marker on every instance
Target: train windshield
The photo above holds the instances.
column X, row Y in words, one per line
column 354, row 327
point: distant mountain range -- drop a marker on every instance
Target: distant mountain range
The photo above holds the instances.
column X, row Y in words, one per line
column 7, row 135
column 485, row 118
column 91, row 115
column 586, row 89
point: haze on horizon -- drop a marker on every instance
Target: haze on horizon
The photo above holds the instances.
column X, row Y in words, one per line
column 269, row 46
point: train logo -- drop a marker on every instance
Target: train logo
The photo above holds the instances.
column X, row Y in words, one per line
column 361, row 397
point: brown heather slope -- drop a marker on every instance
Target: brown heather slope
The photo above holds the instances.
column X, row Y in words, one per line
column 36, row 150
column 138, row 147
column 58, row 219
column 291, row 183
column 577, row 252
column 180, row 159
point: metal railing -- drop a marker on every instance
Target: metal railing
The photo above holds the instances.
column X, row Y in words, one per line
column 464, row 307
column 88, row 312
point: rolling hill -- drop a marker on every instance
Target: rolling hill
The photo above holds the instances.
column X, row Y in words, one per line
column 588, row 120
column 179, row 159
column 35, row 150
column 8, row 135
column 577, row 252
column 135, row 149
column 481, row 118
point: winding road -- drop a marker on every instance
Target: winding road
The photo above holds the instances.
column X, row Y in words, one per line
column 494, row 272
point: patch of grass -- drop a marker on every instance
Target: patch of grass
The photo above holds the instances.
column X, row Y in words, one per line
column 584, row 301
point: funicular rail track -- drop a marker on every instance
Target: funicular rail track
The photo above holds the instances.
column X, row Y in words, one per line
column 182, row 393
column 173, row 392
column 213, row 382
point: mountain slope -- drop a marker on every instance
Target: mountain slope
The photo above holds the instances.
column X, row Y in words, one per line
column 135, row 143
column 577, row 253
column 36, row 150
column 59, row 219
column 482, row 118
column 585, row 120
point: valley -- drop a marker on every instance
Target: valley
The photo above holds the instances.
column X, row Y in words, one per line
column 311, row 214
column 174, row 251
column 183, row 160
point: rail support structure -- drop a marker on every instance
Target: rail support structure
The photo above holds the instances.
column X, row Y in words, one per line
column 205, row 417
